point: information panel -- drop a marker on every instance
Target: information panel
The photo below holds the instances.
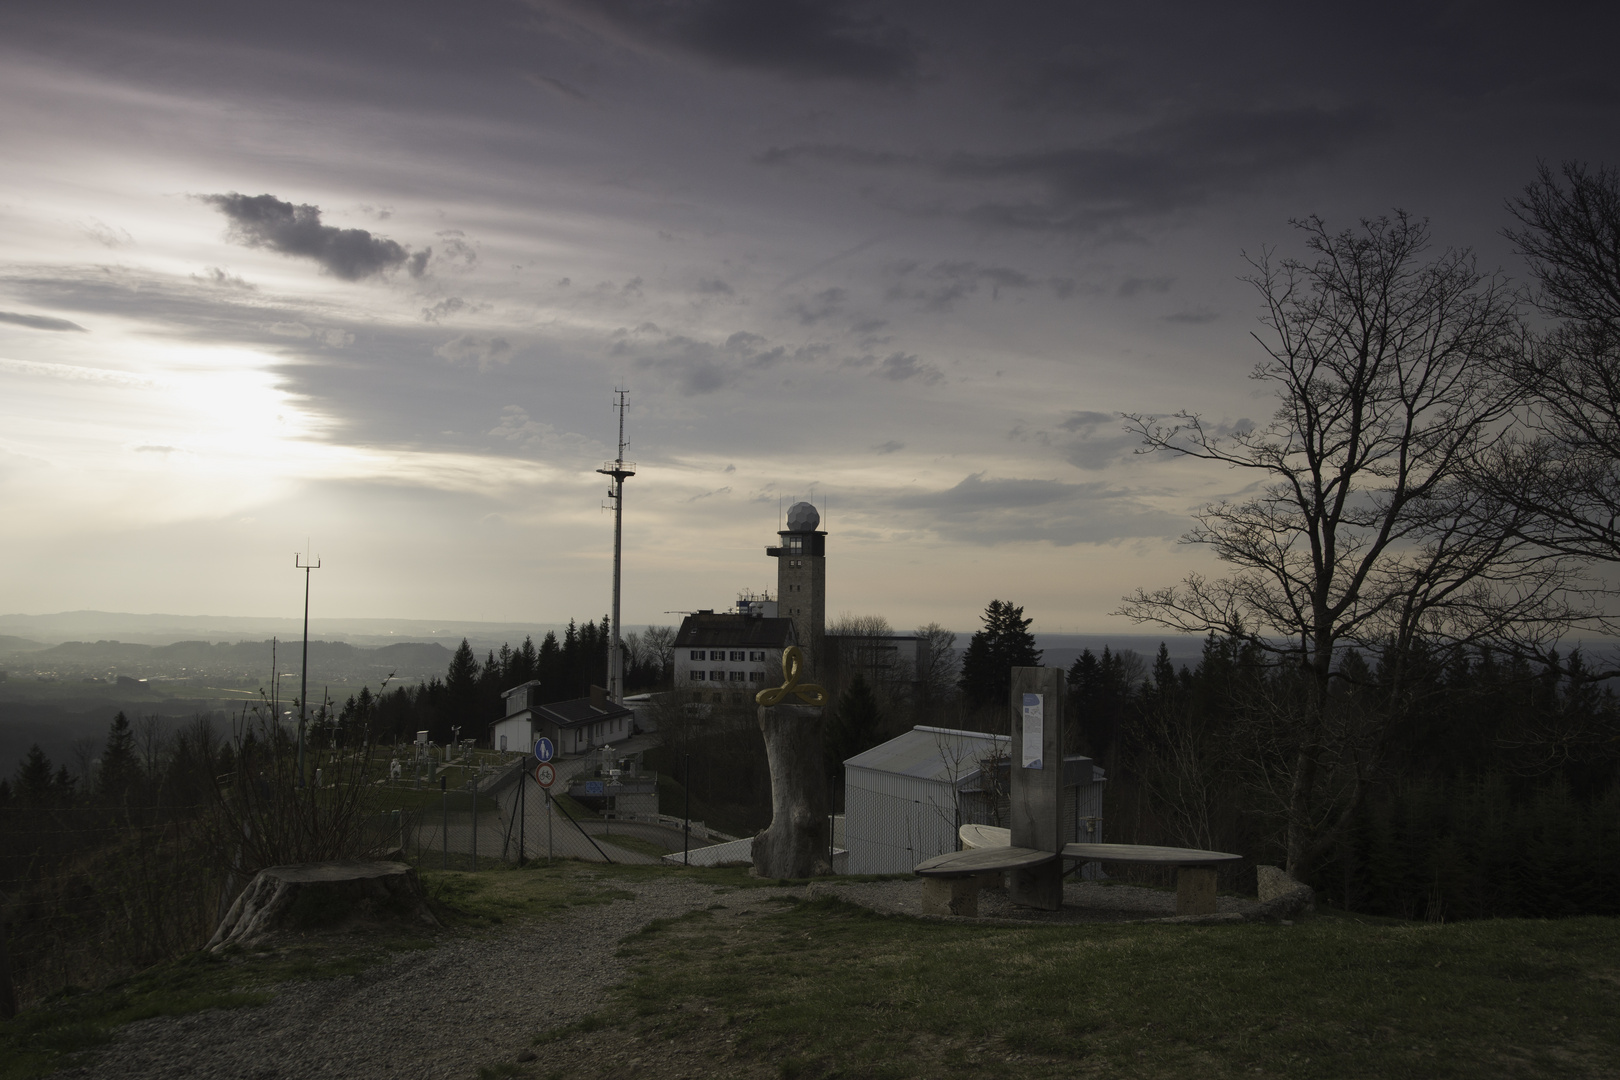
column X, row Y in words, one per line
column 1034, row 729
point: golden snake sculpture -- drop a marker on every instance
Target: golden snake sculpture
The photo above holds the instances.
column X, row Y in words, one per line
column 792, row 667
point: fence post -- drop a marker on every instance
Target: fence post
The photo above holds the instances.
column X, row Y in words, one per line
column 475, row 821
column 444, row 829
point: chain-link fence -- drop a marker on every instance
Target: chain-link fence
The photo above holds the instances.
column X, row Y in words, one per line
column 514, row 819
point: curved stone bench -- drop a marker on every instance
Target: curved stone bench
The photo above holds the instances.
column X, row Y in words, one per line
column 1195, row 874
column 951, row 882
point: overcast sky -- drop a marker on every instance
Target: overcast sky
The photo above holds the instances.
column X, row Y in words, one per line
column 369, row 274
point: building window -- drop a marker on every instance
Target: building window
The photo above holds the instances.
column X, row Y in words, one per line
column 757, row 657
column 738, row 654
column 697, row 676
column 738, row 676
column 717, row 654
column 795, row 544
column 717, row 676
column 756, row 676
column 698, row 654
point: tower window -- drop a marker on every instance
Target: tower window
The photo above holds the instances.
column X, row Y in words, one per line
column 795, row 544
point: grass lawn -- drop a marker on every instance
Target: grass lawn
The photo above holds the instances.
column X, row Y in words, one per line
column 824, row 989
column 762, row 986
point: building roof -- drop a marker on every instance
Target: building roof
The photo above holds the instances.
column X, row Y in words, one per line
column 947, row 755
column 579, row 711
column 931, row 753
column 734, row 631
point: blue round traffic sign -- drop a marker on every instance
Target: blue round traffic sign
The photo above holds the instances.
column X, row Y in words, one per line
column 543, row 750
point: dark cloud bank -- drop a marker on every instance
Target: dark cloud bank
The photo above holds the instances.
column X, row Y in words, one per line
column 264, row 221
column 813, row 39
column 38, row 322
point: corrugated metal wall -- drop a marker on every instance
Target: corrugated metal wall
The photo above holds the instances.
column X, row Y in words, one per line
column 893, row 822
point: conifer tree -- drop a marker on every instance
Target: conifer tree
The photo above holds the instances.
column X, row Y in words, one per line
column 1003, row 644
column 119, row 768
column 33, row 779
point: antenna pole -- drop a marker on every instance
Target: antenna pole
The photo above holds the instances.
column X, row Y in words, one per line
column 618, row 469
column 303, row 684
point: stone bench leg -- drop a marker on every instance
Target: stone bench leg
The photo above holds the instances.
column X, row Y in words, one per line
column 950, row 896
column 1195, row 890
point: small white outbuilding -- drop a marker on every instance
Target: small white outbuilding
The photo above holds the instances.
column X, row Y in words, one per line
column 905, row 799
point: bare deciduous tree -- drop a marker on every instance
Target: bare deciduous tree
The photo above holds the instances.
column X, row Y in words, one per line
column 1566, row 471
column 1362, row 532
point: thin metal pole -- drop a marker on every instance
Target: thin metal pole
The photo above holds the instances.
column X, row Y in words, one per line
column 549, row 814
column 303, row 685
column 475, row 820
column 444, row 831
column 618, row 470
column 686, row 834
column 523, row 813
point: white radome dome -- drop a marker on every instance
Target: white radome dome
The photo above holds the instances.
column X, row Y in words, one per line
column 802, row 517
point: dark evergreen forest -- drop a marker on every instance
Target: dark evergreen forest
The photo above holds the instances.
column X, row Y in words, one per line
column 468, row 698
column 1487, row 789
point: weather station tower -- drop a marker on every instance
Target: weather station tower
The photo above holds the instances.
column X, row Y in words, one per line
column 618, row 469
column 801, row 578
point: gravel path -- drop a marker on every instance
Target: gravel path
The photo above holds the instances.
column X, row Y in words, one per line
column 473, row 1001
column 478, row 999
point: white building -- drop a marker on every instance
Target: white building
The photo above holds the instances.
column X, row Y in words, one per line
column 721, row 657
column 515, row 730
column 905, row 799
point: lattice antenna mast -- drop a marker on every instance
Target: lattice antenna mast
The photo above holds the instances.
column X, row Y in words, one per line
column 618, row 469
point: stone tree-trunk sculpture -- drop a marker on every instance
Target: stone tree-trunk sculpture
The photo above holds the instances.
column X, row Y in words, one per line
column 796, row 844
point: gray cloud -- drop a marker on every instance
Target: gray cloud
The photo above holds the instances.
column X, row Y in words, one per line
column 825, row 305
column 807, row 39
column 1154, row 170
column 1195, row 315
column 836, row 154
column 213, row 275
column 39, row 322
column 483, row 353
column 890, row 447
column 900, row 367
column 1086, row 421
column 942, row 285
column 991, row 511
column 351, row 254
column 557, row 85
column 447, row 306
column 1133, row 286
column 714, row 287
column 107, row 235
column 1160, row 169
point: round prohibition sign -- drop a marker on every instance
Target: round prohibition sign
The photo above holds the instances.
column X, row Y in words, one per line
column 545, row 774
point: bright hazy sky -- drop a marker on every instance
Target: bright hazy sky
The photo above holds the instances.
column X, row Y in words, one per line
column 369, row 274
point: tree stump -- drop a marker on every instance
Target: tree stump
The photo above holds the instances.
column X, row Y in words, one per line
column 311, row 896
column 795, row 845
